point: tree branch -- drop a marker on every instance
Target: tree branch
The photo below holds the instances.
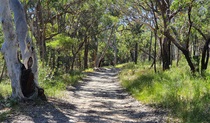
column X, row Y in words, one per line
column 199, row 30
column 51, row 36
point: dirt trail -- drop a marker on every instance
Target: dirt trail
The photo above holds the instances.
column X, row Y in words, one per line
column 99, row 98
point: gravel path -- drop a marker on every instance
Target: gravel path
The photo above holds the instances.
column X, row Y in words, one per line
column 99, row 98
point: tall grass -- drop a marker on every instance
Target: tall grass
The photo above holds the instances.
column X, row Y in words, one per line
column 187, row 96
column 55, row 83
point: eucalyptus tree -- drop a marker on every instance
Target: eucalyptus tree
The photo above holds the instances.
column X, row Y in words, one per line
column 23, row 76
column 201, row 23
column 182, row 27
column 174, row 21
column 48, row 18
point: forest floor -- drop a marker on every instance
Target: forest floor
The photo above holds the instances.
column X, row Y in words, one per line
column 99, row 98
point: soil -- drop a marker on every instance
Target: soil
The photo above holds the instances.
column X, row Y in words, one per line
column 98, row 98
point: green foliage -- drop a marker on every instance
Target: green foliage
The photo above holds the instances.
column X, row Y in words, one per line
column 62, row 41
column 5, row 89
column 55, row 83
column 5, row 86
column 187, row 96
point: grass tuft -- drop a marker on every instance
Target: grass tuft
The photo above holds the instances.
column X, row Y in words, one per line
column 187, row 96
column 55, row 83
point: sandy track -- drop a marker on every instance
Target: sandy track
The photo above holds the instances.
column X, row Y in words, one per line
column 99, row 98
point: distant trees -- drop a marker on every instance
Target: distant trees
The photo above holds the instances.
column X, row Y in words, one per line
column 82, row 34
column 175, row 22
column 67, row 32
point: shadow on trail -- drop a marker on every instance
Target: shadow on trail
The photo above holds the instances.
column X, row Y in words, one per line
column 97, row 98
column 42, row 112
column 108, row 102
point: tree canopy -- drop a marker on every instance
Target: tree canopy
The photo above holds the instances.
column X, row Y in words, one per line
column 86, row 28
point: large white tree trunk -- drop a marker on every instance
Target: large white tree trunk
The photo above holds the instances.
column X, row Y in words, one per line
column 25, row 43
column 24, row 77
column 9, row 49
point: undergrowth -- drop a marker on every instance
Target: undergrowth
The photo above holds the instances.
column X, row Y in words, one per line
column 54, row 83
column 187, row 96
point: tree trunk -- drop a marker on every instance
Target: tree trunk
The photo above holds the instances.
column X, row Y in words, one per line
column 150, row 47
column 205, row 56
column 166, row 54
column 136, row 53
column 177, row 57
column 184, row 50
column 189, row 61
column 86, row 53
column 72, row 62
column 95, row 52
column 98, row 60
column 40, row 31
column 53, row 58
column 115, row 50
column 9, row 49
column 24, row 77
column 155, row 53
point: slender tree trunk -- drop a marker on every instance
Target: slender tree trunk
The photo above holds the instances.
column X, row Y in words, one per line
column 136, row 53
column 205, row 56
column 155, row 53
column 99, row 58
column 58, row 61
column 96, row 52
column 166, row 54
column 189, row 60
column 53, row 58
column 73, row 61
column 150, row 47
column 178, row 57
column 40, row 31
column 75, row 52
column 184, row 50
column 86, row 53
column 115, row 50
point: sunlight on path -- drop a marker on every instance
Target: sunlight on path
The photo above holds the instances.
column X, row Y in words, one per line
column 100, row 98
